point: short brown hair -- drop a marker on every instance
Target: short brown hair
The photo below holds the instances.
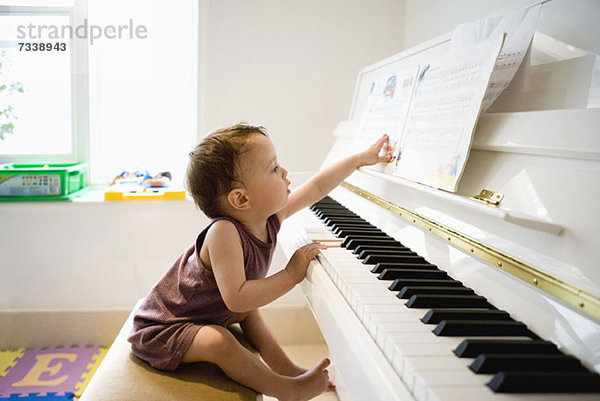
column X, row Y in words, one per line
column 213, row 169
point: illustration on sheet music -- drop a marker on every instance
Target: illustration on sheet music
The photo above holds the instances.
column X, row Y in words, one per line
column 386, row 109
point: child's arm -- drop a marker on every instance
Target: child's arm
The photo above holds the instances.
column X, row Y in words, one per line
column 317, row 187
column 227, row 263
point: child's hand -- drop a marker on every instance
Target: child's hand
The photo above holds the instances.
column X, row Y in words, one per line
column 299, row 261
column 371, row 155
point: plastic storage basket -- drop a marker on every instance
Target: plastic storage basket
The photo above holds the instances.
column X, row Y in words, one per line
column 39, row 182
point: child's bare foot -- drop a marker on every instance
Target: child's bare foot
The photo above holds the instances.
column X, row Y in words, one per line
column 295, row 370
column 309, row 384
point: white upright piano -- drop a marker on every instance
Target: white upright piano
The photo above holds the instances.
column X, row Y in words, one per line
column 531, row 261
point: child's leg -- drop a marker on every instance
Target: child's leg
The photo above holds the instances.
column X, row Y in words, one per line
column 217, row 345
column 258, row 333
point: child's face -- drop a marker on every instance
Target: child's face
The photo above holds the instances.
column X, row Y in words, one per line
column 264, row 179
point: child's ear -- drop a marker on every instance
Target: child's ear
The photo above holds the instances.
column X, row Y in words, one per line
column 237, row 199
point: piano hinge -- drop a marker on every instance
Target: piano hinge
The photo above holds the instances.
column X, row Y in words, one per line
column 489, row 197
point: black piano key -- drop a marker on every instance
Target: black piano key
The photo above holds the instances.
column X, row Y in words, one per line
column 377, row 258
column 465, row 328
column 407, row 292
column 472, row 347
column 345, row 232
column 345, row 219
column 545, row 382
column 361, row 226
column 372, row 248
column 339, row 227
column 494, row 363
column 327, row 206
column 398, row 253
column 434, row 316
column 378, row 237
column 323, row 214
column 380, row 267
column 400, row 283
column 332, row 221
column 338, row 215
column 393, row 274
column 352, row 242
column 447, row 301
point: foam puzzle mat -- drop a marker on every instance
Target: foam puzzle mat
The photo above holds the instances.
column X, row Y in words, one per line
column 57, row 373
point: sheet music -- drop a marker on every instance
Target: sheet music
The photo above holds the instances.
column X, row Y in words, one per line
column 442, row 116
column 519, row 28
column 386, row 108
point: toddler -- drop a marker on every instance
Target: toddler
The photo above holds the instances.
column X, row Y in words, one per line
column 235, row 179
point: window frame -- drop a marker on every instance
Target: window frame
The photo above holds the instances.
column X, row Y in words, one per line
column 79, row 87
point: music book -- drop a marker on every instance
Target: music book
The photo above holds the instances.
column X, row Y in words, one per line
column 430, row 110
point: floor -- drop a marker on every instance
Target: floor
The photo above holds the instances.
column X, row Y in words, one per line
column 307, row 356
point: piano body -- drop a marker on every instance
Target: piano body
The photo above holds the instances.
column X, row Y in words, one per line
column 535, row 255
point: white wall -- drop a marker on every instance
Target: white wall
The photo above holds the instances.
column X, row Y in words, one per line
column 89, row 255
column 571, row 21
column 291, row 66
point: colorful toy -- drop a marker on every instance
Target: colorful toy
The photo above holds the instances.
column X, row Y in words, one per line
column 56, row 373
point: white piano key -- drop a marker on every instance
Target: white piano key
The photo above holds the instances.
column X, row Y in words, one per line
column 483, row 393
column 401, row 312
column 414, row 364
column 324, row 237
column 425, row 380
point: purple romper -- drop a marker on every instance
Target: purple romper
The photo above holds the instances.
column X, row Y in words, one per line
column 187, row 297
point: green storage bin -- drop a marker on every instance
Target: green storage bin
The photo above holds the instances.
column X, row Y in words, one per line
column 42, row 182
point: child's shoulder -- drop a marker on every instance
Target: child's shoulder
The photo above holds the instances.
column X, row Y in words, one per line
column 222, row 231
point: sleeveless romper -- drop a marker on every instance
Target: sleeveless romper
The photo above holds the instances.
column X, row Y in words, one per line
column 187, row 297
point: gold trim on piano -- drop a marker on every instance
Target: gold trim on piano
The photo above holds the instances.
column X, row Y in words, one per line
column 554, row 286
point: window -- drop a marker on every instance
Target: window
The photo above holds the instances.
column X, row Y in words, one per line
column 143, row 92
column 122, row 95
column 36, row 89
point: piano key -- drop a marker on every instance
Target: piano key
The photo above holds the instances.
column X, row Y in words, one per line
column 323, row 237
column 360, row 226
column 414, row 264
column 409, row 291
column 434, row 316
column 472, row 347
column 393, row 274
column 481, row 393
column 400, row 283
column 362, row 248
column 333, row 225
column 545, row 382
column 329, row 221
column 344, row 232
column 468, row 328
column 378, row 258
column 352, row 242
column 494, row 363
column 447, row 301
column 324, row 213
column 368, row 236
column 399, row 253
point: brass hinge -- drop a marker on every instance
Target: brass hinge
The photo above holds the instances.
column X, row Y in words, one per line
column 489, row 197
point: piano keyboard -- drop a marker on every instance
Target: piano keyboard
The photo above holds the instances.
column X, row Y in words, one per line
column 443, row 340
